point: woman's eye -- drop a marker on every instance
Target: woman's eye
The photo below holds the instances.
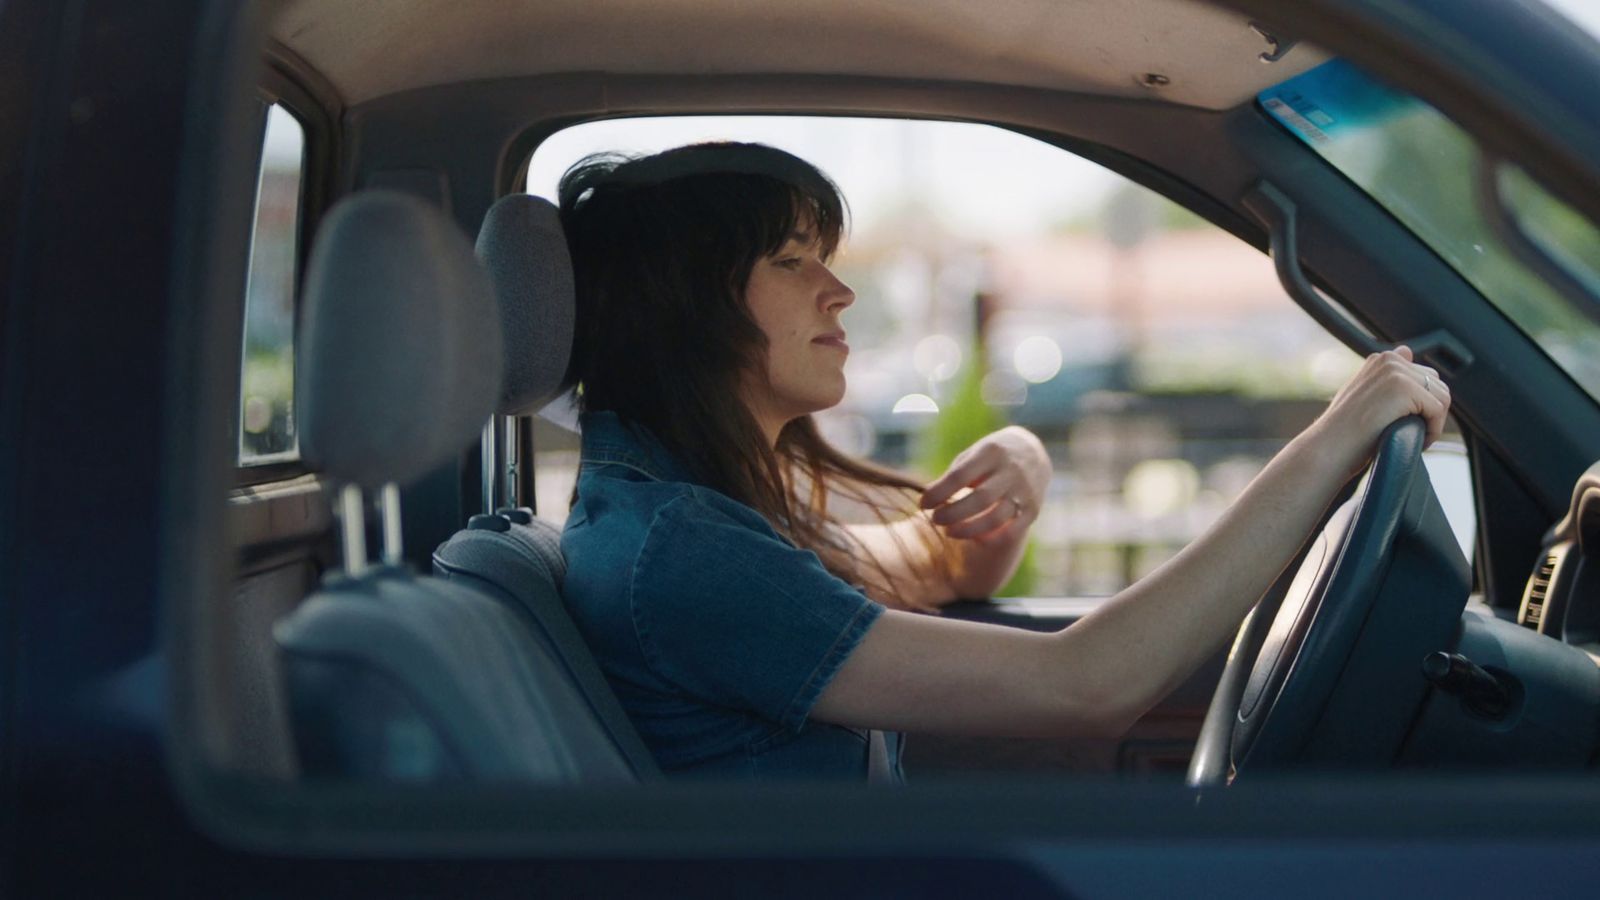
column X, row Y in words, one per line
column 792, row 262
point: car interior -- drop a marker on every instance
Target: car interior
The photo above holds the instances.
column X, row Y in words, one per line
column 432, row 315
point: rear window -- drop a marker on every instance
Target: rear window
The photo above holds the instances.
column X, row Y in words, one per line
column 266, row 402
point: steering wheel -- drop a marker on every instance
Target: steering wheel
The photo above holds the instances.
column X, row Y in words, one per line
column 1281, row 676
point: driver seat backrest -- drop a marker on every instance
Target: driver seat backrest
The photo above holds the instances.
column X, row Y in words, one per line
column 394, row 676
column 513, row 554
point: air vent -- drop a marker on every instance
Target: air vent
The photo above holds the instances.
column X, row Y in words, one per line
column 1538, row 590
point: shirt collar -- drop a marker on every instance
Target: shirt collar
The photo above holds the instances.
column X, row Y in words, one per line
column 609, row 438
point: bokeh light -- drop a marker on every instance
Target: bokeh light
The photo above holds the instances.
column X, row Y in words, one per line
column 1157, row 487
column 915, row 404
column 1037, row 359
column 937, row 357
column 1002, row 388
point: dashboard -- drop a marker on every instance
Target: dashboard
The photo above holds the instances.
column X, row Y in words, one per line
column 1562, row 597
column 1526, row 693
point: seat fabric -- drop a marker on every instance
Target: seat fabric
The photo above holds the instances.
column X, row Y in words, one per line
column 523, row 567
column 414, row 679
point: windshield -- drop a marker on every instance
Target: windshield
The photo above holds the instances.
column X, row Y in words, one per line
column 1422, row 168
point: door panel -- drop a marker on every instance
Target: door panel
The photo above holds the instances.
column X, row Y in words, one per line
column 1158, row 745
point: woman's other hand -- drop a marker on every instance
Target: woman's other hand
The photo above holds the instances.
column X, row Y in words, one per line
column 1387, row 387
column 992, row 489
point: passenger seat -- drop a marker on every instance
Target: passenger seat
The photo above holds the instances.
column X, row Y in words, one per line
column 393, row 676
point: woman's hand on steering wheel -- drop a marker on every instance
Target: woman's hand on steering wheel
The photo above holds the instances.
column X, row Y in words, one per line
column 1388, row 386
column 993, row 489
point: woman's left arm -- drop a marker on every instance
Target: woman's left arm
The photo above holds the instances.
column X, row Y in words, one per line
column 983, row 504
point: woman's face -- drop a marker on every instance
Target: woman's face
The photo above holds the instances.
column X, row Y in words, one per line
column 796, row 301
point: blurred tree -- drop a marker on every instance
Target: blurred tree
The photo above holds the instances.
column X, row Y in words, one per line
column 964, row 419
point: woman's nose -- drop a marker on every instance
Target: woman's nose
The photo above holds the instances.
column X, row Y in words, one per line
column 837, row 295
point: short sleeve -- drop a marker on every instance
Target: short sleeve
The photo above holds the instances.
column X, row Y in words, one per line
column 737, row 617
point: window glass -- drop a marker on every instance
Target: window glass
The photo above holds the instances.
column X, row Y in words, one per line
column 1001, row 280
column 266, row 409
column 1423, row 168
column 1450, row 473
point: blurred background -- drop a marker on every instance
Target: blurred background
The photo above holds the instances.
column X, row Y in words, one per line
column 1001, row 280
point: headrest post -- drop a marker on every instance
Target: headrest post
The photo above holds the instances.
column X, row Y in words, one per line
column 389, row 510
column 489, row 464
column 353, row 530
column 508, row 453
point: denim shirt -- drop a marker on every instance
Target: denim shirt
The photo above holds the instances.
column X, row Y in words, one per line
column 717, row 633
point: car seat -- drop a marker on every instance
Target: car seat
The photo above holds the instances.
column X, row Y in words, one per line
column 513, row 554
column 390, row 675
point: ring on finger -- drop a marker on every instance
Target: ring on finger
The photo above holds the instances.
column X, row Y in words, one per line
column 1016, row 506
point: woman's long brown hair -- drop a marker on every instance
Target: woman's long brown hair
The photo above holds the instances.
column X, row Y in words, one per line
column 662, row 248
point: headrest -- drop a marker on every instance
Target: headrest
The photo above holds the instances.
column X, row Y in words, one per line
column 400, row 349
column 524, row 249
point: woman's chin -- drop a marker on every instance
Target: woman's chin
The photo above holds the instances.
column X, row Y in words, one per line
column 835, row 397
column 816, row 397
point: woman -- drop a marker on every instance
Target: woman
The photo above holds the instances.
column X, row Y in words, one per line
column 744, row 629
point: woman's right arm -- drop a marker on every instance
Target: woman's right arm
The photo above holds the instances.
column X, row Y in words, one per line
column 922, row 673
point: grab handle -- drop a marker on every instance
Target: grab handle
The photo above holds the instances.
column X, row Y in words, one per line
column 1277, row 212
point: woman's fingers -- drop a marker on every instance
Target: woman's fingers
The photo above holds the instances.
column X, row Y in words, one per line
column 998, row 515
column 1441, row 395
column 969, row 470
column 972, row 504
column 1425, row 392
column 999, row 474
column 1432, row 402
column 1435, row 407
column 992, row 496
column 1390, row 385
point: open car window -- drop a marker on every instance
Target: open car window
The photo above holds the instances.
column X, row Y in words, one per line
column 1424, row 170
column 1001, row 280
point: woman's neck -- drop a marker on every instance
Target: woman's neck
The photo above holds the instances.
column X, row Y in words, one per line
column 769, row 421
column 771, row 427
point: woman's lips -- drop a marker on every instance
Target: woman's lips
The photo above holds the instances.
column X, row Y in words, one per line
column 833, row 340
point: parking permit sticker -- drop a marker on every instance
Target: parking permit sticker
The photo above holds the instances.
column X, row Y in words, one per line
column 1333, row 101
column 1302, row 122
